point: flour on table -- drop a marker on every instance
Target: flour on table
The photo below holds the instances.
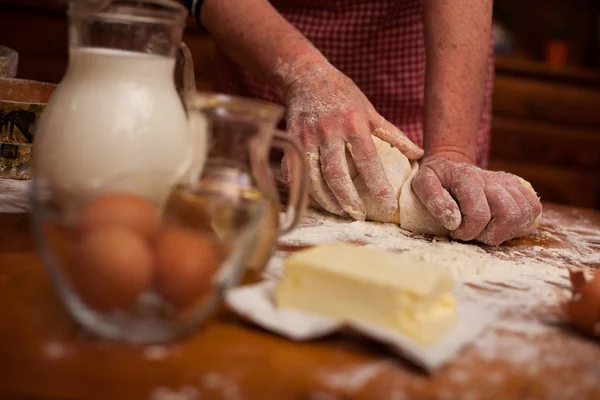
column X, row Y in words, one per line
column 523, row 283
column 55, row 350
column 226, row 387
column 156, row 352
column 353, row 379
column 185, row 393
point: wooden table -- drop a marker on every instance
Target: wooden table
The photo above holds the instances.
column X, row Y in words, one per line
column 44, row 355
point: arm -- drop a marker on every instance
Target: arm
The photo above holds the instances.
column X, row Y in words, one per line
column 325, row 109
column 259, row 39
column 457, row 37
column 472, row 203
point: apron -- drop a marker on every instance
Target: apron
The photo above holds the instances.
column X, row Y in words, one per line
column 379, row 44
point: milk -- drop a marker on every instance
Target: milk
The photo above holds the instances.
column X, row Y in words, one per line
column 116, row 121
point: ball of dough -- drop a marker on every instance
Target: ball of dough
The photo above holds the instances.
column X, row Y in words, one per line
column 396, row 166
column 412, row 214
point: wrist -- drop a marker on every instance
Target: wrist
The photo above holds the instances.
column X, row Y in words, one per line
column 454, row 154
column 449, row 132
column 301, row 73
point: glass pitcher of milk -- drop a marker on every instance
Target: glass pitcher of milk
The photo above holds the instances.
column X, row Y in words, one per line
column 117, row 120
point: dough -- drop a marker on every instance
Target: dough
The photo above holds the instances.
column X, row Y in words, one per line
column 412, row 214
column 397, row 167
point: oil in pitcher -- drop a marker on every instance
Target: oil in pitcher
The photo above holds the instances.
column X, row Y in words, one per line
column 242, row 133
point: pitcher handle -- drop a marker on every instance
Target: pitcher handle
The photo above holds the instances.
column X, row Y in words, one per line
column 185, row 69
column 298, row 180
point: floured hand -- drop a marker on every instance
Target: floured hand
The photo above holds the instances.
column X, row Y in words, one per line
column 475, row 204
column 331, row 115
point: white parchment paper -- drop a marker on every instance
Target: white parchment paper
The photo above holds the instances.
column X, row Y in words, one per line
column 255, row 303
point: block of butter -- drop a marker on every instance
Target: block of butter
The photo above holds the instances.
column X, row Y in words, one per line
column 398, row 291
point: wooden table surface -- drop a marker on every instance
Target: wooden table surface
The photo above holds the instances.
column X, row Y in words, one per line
column 44, row 355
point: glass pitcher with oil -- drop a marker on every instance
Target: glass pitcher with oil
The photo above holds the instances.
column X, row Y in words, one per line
column 241, row 133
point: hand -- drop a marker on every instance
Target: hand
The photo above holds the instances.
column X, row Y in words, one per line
column 330, row 114
column 490, row 207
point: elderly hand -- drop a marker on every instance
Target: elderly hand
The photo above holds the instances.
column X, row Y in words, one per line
column 490, row 207
column 330, row 114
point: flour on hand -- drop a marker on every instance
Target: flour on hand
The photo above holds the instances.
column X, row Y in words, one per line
column 411, row 213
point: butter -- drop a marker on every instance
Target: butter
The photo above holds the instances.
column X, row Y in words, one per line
column 398, row 291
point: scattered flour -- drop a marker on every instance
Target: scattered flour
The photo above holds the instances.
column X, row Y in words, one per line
column 460, row 376
column 55, row 350
column 227, row 388
column 528, row 328
column 185, row 393
column 352, row 380
column 518, row 279
column 156, row 352
column 524, row 283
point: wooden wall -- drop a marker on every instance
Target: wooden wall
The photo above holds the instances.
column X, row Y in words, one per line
column 37, row 29
column 546, row 124
column 546, row 128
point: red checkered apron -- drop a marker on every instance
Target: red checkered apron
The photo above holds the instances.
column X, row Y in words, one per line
column 379, row 44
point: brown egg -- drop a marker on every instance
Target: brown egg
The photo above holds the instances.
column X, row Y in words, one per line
column 122, row 209
column 584, row 310
column 185, row 263
column 110, row 267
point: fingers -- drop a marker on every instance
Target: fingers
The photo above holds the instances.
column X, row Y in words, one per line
column 436, row 199
column 495, row 206
column 533, row 200
column 525, row 210
column 514, row 209
column 473, row 203
column 336, row 174
column 369, row 165
column 390, row 133
column 528, row 203
column 318, row 189
column 505, row 213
